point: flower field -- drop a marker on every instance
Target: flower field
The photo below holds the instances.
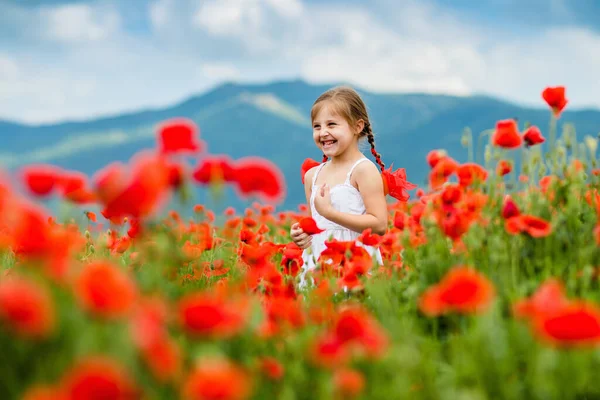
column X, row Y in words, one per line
column 490, row 287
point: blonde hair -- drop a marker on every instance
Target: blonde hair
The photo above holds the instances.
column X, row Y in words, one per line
column 347, row 103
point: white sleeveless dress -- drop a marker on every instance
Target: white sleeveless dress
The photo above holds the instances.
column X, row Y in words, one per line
column 344, row 198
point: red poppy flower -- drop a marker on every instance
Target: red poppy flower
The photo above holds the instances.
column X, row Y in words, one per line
column 434, row 156
column 354, row 326
column 577, row 324
column 292, row 259
column 309, row 226
column 308, row 164
column 443, row 169
column 98, row 377
column 26, row 307
column 549, row 298
column 31, row 235
column 213, row 379
column 547, row 181
column 105, row 290
column 533, row 226
column 91, row 216
column 109, row 181
column 214, row 168
column 450, row 195
column 470, row 172
column 400, row 220
column 555, row 98
column 462, row 290
column 135, row 192
column 328, row 351
column 283, row 312
column 206, row 314
column 260, row 177
column 40, row 179
column 507, row 134
column 509, row 208
column 455, row 223
column 395, row 184
column 533, row 136
column 178, row 135
column 272, row 368
column 176, row 175
column 367, row 237
column 348, row 383
column 504, row 167
column 74, row 187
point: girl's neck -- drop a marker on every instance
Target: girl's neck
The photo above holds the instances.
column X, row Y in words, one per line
column 347, row 157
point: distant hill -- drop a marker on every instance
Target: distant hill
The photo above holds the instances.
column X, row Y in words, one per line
column 273, row 121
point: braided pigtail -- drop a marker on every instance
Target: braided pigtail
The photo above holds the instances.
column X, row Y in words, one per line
column 369, row 133
column 324, row 158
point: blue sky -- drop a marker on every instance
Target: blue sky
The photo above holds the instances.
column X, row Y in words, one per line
column 71, row 60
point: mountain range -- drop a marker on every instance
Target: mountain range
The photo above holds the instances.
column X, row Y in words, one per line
column 272, row 120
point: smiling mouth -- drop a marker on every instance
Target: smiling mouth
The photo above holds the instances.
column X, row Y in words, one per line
column 328, row 143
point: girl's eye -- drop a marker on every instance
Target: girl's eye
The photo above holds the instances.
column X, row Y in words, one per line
column 331, row 123
column 316, row 126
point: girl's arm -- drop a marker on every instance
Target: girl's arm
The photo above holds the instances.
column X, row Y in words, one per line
column 370, row 185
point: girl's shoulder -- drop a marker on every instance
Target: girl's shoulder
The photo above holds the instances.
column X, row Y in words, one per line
column 366, row 170
column 367, row 178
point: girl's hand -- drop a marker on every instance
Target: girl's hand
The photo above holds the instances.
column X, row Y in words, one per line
column 299, row 237
column 323, row 201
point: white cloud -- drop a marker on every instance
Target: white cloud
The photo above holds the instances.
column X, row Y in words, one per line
column 228, row 17
column 423, row 49
column 394, row 45
column 378, row 58
column 111, row 73
column 76, row 23
column 84, row 88
column 286, row 8
column 219, row 71
column 159, row 12
column 216, row 19
column 8, row 68
column 22, row 81
column 519, row 70
column 102, row 78
column 260, row 25
column 238, row 17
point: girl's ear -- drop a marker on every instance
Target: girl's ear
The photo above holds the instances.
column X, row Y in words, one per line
column 360, row 125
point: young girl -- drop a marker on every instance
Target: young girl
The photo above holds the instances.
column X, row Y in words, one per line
column 345, row 192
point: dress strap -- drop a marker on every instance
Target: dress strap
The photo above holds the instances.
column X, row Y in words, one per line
column 352, row 168
column 317, row 173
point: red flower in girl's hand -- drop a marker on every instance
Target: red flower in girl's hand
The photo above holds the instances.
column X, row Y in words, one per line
column 306, row 166
column 395, row 184
column 309, row 226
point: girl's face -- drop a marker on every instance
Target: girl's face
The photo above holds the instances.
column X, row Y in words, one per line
column 332, row 133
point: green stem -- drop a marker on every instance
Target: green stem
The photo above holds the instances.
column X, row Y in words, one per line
column 514, row 174
column 552, row 132
column 480, row 142
column 552, row 144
